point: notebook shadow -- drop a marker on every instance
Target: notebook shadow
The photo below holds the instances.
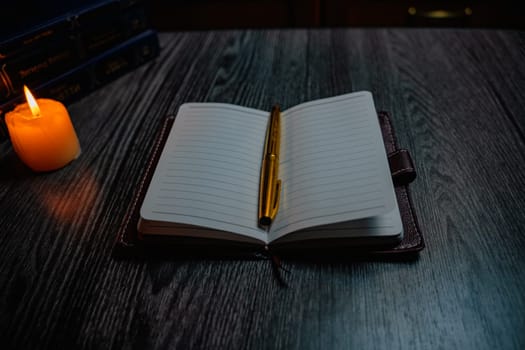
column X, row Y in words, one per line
column 281, row 263
column 214, row 253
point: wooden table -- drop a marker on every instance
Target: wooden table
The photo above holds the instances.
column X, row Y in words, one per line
column 458, row 105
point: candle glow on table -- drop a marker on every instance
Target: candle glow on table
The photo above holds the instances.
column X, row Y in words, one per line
column 42, row 133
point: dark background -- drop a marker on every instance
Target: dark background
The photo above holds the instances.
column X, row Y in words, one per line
column 213, row 14
column 204, row 14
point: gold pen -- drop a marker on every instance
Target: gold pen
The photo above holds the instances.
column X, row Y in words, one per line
column 270, row 185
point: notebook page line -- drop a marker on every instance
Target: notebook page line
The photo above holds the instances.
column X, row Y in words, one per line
column 330, row 192
column 203, row 198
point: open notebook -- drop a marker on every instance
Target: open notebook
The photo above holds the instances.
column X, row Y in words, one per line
column 336, row 183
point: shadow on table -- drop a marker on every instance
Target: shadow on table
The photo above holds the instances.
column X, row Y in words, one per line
column 183, row 249
column 278, row 260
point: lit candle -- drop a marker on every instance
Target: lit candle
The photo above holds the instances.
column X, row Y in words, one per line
column 42, row 133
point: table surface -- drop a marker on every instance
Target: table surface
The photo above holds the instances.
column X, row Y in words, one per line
column 457, row 102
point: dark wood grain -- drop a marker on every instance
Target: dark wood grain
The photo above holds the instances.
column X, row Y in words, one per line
column 457, row 103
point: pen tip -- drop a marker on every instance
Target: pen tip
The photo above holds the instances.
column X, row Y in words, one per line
column 265, row 221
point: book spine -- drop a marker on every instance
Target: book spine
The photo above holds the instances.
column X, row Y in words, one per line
column 103, row 68
column 37, row 65
column 66, row 43
column 39, row 36
column 100, row 30
column 39, row 33
column 93, row 73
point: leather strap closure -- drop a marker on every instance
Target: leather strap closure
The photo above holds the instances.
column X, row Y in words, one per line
column 401, row 167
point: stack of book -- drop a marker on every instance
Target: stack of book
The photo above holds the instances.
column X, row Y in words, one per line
column 72, row 54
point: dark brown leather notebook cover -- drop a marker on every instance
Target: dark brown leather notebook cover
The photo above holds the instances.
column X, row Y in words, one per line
column 403, row 172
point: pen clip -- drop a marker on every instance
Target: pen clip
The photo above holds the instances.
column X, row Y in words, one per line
column 276, row 200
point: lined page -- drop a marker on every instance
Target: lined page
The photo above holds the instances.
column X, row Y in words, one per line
column 379, row 226
column 333, row 164
column 208, row 172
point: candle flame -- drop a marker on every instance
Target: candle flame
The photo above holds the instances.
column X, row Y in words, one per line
column 35, row 110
